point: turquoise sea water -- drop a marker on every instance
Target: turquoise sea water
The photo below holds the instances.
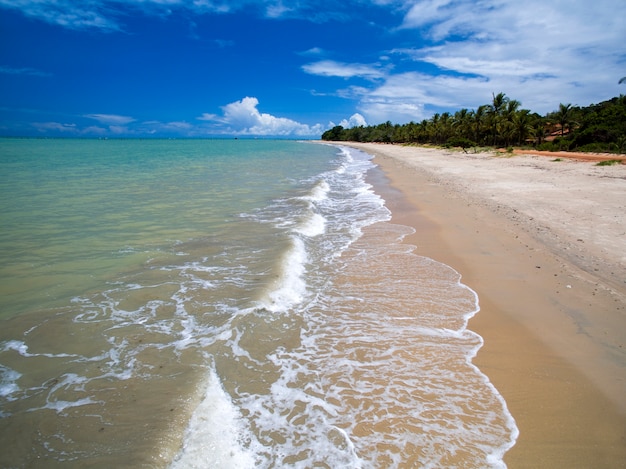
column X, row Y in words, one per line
column 227, row 303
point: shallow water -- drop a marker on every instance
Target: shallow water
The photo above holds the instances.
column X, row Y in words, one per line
column 227, row 304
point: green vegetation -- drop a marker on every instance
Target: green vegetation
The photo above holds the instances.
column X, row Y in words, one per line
column 608, row 163
column 502, row 123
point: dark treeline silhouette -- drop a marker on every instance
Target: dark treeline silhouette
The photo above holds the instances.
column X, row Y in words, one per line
column 502, row 123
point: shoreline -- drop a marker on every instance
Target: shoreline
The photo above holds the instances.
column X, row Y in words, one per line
column 550, row 282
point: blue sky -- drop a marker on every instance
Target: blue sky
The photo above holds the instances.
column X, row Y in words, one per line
column 207, row 68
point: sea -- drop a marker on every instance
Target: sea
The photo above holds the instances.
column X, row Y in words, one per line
column 230, row 303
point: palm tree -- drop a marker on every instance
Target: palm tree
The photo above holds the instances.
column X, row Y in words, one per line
column 445, row 127
column 564, row 116
column 423, row 131
column 498, row 102
column 495, row 113
column 538, row 131
column 461, row 123
column 511, row 108
column 478, row 122
column 523, row 125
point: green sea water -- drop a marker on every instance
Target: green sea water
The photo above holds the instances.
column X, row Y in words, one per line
column 77, row 212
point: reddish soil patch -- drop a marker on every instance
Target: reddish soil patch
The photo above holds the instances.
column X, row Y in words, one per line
column 580, row 156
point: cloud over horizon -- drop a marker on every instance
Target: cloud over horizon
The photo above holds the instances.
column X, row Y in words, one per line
column 243, row 118
column 238, row 118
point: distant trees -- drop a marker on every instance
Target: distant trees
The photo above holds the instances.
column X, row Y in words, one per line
column 502, row 122
column 599, row 127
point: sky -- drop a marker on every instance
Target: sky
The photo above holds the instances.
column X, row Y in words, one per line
column 294, row 68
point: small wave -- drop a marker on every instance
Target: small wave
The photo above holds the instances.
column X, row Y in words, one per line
column 318, row 192
column 216, row 433
column 291, row 286
column 315, row 225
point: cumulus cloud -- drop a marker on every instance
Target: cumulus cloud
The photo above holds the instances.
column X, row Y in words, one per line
column 355, row 120
column 243, row 118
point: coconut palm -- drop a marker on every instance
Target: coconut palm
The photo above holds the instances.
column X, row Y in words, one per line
column 522, row 123
column 445, row 127
column 461, row 123
column 495, row 111
column 564, row 116
column 538, row 131
column 478, row 122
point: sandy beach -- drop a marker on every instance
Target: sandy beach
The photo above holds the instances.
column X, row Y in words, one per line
column 543, row 243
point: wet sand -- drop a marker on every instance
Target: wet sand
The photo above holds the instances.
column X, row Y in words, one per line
column 543, row 243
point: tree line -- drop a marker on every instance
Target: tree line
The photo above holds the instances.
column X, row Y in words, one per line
column 503, row 123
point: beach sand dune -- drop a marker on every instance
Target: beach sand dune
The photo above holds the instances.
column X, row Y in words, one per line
column 543, row 243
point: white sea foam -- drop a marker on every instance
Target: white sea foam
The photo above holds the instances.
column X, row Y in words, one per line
column 291, row 285
column 68, row 381
column 319, row 191
column 216, row 436
column 314, row 225
column 8, row 383
column 21, row 348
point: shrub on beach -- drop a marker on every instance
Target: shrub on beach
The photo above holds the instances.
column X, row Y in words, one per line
column 460, row 142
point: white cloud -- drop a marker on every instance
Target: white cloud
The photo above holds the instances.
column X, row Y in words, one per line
column 356, row 120
column 65, row 13
column 313, row 51
column 243, row 118
column 104, row 14
column 277, row 9
column 541, row 54
column 393, row 110
column 55, row 127
column 330, row 68
column 426, row 12
column 94, row 130
column 110, row 119
column 208, row 117
column 155, row 127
